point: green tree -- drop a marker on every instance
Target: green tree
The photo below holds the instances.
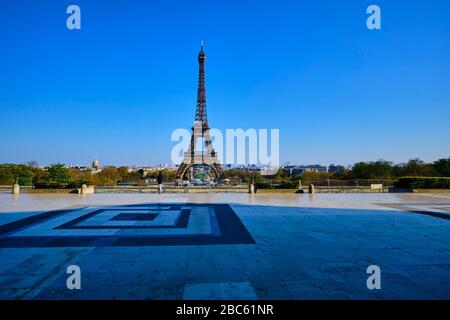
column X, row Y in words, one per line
column 6, row 174
column 24, row 174
column 442, row 167
column 123, row 173
column 58, row 173
column 314, row 176
column 9, row 173
column 414, row 167
column 380, row 169
column 39, row 174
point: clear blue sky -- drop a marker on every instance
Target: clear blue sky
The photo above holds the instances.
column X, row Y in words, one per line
column 116, row 89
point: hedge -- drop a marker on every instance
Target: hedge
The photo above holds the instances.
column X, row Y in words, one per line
column 48, row 185
column 264, row 185
column 423, row 183
column 282, row 185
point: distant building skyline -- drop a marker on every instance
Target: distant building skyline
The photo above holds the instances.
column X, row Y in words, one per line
column 298, row 167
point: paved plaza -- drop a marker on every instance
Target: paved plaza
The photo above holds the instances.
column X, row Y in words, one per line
column 225, row 246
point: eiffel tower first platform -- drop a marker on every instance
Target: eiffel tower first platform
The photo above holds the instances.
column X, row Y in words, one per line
column 207, row 156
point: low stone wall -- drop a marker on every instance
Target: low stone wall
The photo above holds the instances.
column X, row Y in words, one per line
column 171, row 189
column 278, row 191
column 351, row 190
column 431, row 190
column 221, row 189
column 5, row 189
column 8, row 189
column 30, row 189
column 342, row 189
column 51, row 191
column 131, row 189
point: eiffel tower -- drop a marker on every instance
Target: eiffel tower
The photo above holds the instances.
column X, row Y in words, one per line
column 207, row 156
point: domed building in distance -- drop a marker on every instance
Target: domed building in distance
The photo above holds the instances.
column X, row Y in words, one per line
column 96, row 166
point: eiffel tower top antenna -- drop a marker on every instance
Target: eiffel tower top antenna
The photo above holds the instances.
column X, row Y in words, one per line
column 200, row 113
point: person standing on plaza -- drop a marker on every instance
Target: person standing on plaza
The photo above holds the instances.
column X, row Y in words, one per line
column 160, row 180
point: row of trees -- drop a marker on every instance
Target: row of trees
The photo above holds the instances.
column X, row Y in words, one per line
column 381, row 169
column 28, row 175
column 59, row 175
column 109, row 176
column 387, row 170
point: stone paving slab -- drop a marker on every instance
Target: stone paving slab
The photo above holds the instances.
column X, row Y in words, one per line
column 219, row 291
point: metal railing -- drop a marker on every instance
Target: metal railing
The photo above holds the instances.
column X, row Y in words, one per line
column 350, row 183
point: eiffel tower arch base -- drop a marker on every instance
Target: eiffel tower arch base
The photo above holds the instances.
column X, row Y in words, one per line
column 184, row 168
